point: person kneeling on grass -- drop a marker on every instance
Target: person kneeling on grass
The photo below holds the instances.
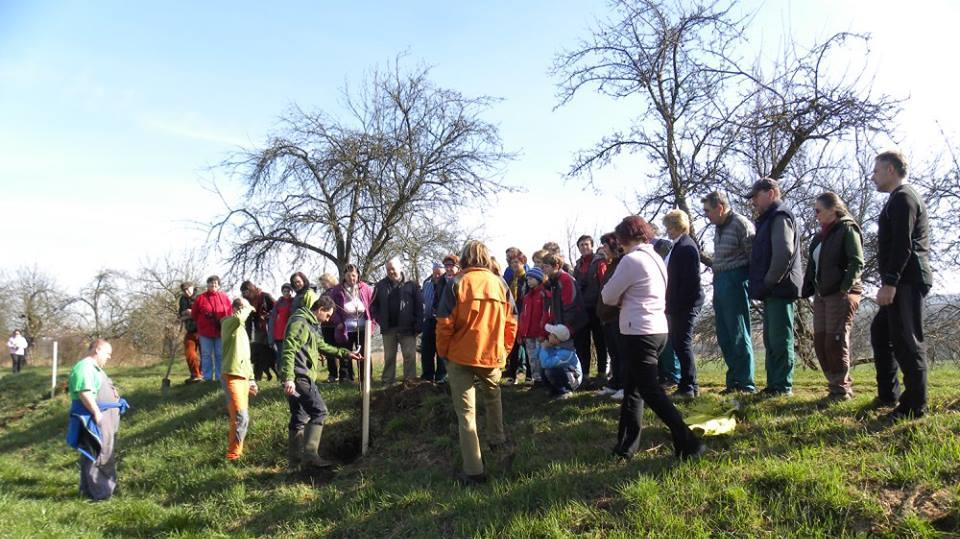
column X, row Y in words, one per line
column 560, row 364
column 303, row 350
column 237, row 374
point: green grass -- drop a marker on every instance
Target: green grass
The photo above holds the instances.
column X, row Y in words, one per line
column 793, row 468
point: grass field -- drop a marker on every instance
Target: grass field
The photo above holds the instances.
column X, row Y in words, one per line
column 794, row 467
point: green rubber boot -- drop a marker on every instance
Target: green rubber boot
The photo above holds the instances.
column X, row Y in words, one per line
column 311, row 447
column 294, row 449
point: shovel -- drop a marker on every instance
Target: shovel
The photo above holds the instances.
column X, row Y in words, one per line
column 165, row 385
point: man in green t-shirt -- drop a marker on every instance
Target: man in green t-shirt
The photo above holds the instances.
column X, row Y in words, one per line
column 89, row 385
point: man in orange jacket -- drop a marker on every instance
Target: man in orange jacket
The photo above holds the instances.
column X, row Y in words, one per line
column 476, row 328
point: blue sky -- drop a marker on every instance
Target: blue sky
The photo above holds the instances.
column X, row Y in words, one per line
column 114, row 113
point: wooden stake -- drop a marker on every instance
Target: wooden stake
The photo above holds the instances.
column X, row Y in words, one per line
column 365, row 390
column 53, row 377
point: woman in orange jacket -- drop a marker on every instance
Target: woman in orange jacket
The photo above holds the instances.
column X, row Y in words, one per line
column 476, row 328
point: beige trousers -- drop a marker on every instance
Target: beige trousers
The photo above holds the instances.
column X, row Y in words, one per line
column 408, row 348
column 463, row 391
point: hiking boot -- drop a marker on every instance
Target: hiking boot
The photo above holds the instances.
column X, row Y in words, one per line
column 311, row 447
column 771, row 392
column 694, row 453
column 467, row 480
column 685, row 395
column 879, row 402
column 899, row 414
column 332, row 380
column 838, row 397
column 605, row 391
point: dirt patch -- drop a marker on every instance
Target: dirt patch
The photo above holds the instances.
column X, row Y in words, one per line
column 409, row 395
column 930, row 506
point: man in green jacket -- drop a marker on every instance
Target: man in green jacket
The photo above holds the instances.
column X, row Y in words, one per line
column 303, row 350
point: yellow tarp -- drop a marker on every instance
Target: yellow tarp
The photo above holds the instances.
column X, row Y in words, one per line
column 710, row 423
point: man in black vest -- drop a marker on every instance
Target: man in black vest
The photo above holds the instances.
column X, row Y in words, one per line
column 897, row 330
column 776, row 278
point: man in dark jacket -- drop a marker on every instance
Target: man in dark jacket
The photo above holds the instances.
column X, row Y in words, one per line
column 397, row 307
column 588, row 272
column 776, row 278
column 684, row 298
column 902, row 258
column 432, row 368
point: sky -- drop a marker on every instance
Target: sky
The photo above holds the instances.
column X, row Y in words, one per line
column 114, row 116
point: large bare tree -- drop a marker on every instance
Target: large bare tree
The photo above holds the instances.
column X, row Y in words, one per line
column 105, row 305
column 344, row 189
column 672, row 58
column 39, row 304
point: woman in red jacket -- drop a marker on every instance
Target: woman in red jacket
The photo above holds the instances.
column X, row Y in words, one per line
column 211, row 307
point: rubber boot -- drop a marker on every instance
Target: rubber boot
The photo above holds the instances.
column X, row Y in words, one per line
column 294, row 448
column 311, row 447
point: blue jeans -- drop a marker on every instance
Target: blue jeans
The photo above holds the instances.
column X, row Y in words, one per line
column 562, row 380
column 211, row 357
column 668, row 366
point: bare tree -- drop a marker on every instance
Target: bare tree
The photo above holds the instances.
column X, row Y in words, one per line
column 107, row 303
column 343, row 189
column 39, row 305
column 422, row 243
column 673, row 56
column 154, row 319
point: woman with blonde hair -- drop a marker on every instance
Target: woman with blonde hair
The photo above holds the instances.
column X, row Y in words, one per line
column 476, row 328
column 833, row 279
column 684, row 298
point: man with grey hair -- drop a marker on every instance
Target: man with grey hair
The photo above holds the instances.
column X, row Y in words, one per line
column 732, row 243
column 94, row 420
column 397, row 307
column 903, row 260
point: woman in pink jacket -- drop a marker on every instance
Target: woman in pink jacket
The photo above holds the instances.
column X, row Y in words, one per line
column 352, row 298
column 639, row 288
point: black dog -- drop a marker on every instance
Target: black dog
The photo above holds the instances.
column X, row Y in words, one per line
column 264, row 360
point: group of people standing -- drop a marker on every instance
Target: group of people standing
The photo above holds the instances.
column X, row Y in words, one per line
column 632, row 298
column 635, row 299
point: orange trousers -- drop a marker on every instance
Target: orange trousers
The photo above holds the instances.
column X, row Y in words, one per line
column 191, row 349
column 238, row 398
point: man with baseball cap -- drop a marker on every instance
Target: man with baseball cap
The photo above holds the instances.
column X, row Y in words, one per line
column 776, row 278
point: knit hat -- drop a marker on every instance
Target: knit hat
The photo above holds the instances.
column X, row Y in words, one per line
column 535, row 273
column 438, row 265
column 559, row 330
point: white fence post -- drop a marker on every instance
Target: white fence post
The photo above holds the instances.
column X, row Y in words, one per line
column 53, row 377
column 365, row 389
